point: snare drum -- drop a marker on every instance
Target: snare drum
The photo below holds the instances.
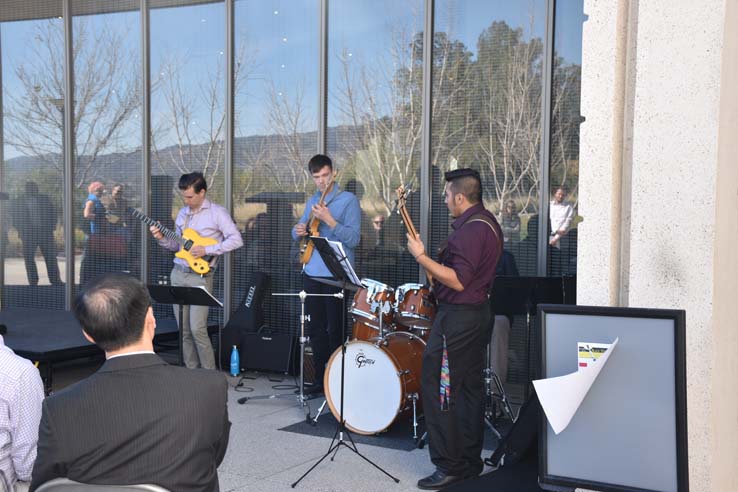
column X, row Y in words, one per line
column 382, row 376
column 373, row 299
column 415, row 306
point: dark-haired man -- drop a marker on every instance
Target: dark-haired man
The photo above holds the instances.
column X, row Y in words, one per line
column 137, row 419
column 209, row 220
column 340, row 220
column 453, row 360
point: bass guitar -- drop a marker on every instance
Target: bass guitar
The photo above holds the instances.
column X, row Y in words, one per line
column 187, row 240
column 402, row 195
column 306, row 245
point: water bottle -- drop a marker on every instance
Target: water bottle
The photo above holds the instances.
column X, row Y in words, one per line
column 235, row 363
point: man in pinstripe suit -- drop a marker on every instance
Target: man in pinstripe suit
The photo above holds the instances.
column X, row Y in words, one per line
column 137, row 419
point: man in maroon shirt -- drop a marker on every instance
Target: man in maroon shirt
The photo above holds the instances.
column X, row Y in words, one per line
column 463, row 275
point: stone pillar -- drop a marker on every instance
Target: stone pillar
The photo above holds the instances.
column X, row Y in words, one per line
column 659, row 193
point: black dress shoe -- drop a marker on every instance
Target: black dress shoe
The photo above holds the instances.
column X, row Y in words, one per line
column 437, row 481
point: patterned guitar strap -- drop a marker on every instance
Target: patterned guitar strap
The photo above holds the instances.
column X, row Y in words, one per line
column 445, row 386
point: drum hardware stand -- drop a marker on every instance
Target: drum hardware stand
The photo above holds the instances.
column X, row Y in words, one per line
column 414, row 397
column 301, row 398
column 494, row 391
column 339, row 271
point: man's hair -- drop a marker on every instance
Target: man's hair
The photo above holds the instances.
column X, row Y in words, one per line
column 196, row 180
column 318, row 162
column 562, row 188
column 470, row 186
column 112, row 310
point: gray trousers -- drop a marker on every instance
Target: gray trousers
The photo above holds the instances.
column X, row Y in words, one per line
column 196, row 347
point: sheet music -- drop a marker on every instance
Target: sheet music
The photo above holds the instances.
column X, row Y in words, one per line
column 337, row 248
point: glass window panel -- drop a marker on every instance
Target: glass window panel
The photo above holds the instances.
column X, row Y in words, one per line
column 107, row 132
column 31, row 60
column 565, row 120
column 276, row 85
column 188, row 68
column 375, row 85
column 487, row 89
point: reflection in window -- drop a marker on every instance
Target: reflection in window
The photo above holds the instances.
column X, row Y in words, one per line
column 276, row 134
column 107, row 132
column 188, row 66
column 374, row 123
column 487, row 111
column 32, row 112
column 565, row 120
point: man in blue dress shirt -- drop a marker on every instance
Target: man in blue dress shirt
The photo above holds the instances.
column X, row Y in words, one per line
column 340, row 220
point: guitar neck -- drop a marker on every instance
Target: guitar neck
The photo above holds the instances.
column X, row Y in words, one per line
column 168, row 233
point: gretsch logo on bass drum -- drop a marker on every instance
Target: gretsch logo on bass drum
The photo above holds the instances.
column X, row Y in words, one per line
column 362, row 360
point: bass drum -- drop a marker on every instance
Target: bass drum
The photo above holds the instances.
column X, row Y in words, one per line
column 382, row 376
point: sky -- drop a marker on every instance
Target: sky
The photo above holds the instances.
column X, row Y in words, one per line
column 282, row 38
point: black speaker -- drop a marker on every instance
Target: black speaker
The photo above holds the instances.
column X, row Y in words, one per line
column 248, row 317
column 267, row 350
column 520, row 442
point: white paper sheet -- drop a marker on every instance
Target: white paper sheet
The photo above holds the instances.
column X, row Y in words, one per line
column 561, row 396
column 347, row 267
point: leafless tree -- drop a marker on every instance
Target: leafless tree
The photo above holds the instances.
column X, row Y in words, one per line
column 106, row 96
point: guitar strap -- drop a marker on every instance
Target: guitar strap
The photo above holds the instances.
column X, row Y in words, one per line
column 480, row 217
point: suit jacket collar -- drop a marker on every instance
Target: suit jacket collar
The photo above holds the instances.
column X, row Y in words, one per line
column 132, row 362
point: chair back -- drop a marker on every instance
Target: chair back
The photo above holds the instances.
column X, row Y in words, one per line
column 66, row 485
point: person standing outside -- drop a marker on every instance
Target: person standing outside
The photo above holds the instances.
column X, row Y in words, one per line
column 452, row 379
column 35, row 217
column 340, row 220
column 561, row 214
column 209, row 220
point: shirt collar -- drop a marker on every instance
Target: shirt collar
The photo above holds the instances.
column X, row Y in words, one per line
column 205, row 204
column 130, row 353
column 474, row 209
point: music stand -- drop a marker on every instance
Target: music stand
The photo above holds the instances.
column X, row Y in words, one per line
column 344, row 276
column 182, row 296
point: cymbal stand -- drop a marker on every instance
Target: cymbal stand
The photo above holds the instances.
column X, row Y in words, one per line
column 301, row 398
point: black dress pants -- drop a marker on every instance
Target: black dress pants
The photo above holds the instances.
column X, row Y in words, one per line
column 456, row 434
column 325, row 327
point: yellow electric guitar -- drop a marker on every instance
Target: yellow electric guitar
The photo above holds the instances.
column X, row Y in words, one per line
column 187, row 240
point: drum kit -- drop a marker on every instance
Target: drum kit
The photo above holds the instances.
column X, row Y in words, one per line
column 384, row 358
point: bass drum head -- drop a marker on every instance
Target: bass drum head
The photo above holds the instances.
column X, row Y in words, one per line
column 373, row 390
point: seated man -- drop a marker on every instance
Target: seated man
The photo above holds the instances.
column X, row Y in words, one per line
column 137, row 419
column 21, row 394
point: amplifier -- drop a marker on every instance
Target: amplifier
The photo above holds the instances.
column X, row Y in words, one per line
column 267, row 351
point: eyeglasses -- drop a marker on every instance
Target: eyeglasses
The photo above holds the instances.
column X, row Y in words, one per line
column 378, row 221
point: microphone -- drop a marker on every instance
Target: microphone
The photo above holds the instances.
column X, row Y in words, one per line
column 3, row 330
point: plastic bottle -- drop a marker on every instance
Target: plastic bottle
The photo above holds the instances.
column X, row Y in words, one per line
column 235, row 362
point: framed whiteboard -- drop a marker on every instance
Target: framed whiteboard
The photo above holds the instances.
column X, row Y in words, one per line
column 630, row 431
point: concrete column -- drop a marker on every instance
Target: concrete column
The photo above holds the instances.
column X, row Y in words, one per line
column 659, row 194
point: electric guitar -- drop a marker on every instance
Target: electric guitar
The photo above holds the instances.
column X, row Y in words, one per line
column 187, row 240
column 402, row 195
column 307, row 246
